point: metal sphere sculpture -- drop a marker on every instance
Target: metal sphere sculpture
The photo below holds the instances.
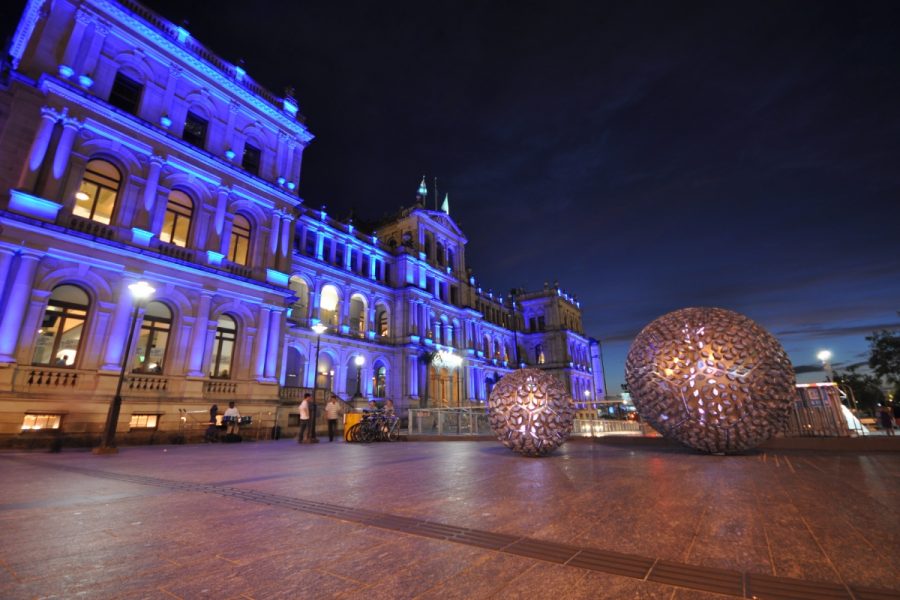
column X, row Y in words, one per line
column 531, row 412
column 711, row 379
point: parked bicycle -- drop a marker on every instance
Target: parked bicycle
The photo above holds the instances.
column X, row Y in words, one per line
column 375, row 426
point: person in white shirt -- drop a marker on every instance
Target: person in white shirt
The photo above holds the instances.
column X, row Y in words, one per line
column 234, row 423
column 332, row 413
column 304, row 418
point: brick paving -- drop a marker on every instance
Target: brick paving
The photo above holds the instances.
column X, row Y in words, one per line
column 337, row 520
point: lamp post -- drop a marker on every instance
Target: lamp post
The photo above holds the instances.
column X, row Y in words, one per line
column 825, row 357
column 140, row 291
column 359, row 361
column 318, row 329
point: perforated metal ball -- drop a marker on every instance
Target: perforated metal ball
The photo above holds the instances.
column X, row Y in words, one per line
column 531, row 412
column 711, row 379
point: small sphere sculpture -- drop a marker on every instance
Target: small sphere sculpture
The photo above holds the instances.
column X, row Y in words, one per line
column 531, row 412
column 711, row 379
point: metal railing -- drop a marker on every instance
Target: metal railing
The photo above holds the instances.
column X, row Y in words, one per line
column 474, row 422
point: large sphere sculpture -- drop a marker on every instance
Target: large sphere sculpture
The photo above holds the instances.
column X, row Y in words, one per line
column 711, row 379
column 531, row 412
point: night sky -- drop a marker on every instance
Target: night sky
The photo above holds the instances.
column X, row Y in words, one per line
column 648, row 156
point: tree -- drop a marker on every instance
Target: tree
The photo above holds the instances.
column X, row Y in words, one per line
column 884, row 354
column 866, row 388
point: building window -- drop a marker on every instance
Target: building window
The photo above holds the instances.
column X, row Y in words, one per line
column 154, row 339
column 177, row 223
column 239, row 248
column 301, row 305
column 143, row 421
column 96, row 196
column 195, row 130
column 539, row 354
column 328, row 302
column 126, row 93
column 381, row 322
column 379, row 389
column 60, row 330
column 541, row 323
column 251, row 159
column 223, row 348
column 34, row 422
column 339, row 255
column 310, row 248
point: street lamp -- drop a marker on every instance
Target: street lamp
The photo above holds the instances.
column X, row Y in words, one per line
column 359, row 361
column 825, row 357
column 318, row 329
column 140, row 291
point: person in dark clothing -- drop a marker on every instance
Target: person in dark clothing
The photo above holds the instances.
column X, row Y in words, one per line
column 212, row 434
column 887, row 420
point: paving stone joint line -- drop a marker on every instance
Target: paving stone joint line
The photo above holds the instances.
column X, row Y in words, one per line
column 591, row 559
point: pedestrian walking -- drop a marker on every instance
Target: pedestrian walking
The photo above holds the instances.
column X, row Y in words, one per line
column 212, row 433
column 887, row 420
column 304, row 417
column 332, row 413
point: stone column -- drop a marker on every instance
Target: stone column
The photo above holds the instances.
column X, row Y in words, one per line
column 82, row 20
column 280, row 158
column 152, row 184
column 70, row 127
column 118, row 328
column 230, row 144
column 275, row 340
column 259, row 346
column 101, row 30
column 38, row 150
column 287, row 239
column 226, row 235
column 198, row 337
column 274, row 237
column 6, row 259
column 214, row 242
column 348, row 257
column 297, row 154
column 19, row 291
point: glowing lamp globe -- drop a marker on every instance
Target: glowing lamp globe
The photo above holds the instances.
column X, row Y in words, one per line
column 711, row 379
column 531, row 412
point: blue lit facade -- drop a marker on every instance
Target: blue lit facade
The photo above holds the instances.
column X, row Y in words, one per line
column 131, row 152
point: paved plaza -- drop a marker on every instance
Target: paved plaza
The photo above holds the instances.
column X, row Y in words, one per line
column 464, row 519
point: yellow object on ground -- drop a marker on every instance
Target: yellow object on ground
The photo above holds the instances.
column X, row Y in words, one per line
column 350, row 419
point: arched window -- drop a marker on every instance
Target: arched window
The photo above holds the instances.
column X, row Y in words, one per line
column 486, row 346
column 382, row 324
column 239, row 247
column 379, row 387
column 358, row 314
column 300, row 308
column 97, row 194
column 177, row 223
column 150, row 355
column 497, row 349
column 223, row 348
column 539, row 354
column 295, row 368
column 60, row 331
column 325, row 376
column 328, row 304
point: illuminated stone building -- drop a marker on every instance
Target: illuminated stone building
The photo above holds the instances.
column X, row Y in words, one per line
column 130, row 152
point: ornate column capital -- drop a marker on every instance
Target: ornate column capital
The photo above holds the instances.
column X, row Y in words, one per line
column 83, row 16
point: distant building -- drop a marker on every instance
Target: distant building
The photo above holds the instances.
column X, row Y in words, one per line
column 131, row 152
